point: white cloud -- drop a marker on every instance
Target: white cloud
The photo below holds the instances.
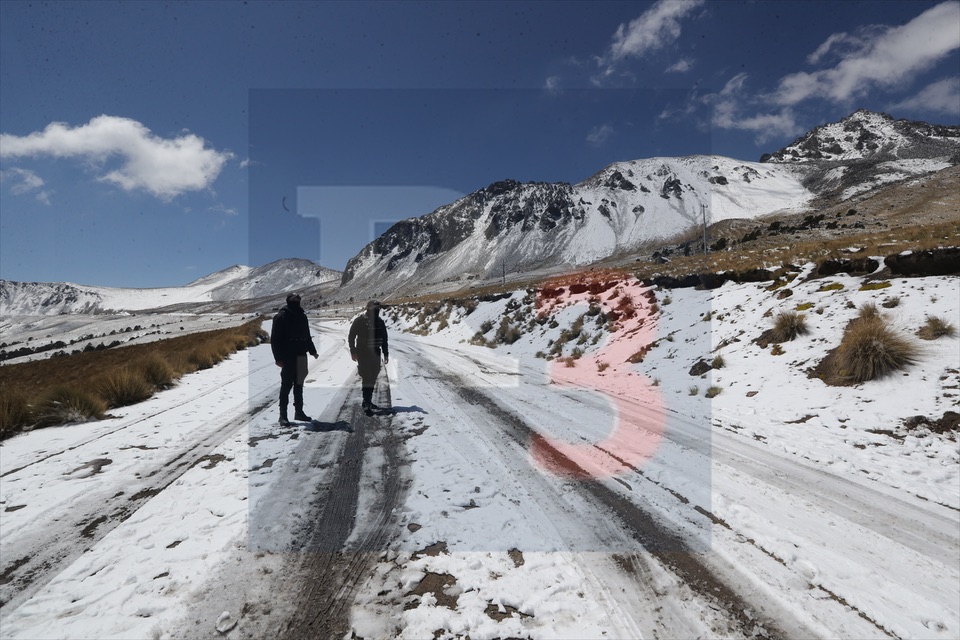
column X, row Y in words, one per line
column 890, row 57
column 874, row 57
column 25, row 182
column 730, row 112
column 939, row 97
column 655, row 29
column 681, row 66
column 222, row 208
column 599, row 135
column 552, row 84
column 163, row 167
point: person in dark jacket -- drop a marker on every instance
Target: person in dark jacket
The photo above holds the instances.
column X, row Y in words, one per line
column 291, row 342
column 367, row 340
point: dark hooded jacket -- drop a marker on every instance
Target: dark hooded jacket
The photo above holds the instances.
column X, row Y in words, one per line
column 368, row 337
column 290, row 335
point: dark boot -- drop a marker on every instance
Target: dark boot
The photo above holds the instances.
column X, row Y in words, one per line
column 283, row 422
column 298, row 404
column 367, row 398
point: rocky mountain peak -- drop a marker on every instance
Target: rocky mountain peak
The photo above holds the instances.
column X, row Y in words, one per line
column 869, row 135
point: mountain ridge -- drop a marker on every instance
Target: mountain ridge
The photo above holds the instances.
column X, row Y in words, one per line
column 626, row 206
column 233, row 284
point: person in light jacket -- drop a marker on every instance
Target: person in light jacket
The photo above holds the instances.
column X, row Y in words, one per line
column 368, row 340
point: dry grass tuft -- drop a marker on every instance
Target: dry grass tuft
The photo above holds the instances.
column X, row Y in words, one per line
column 124, row 387
column 14, row 411
column 157, row 371
column 936, row 328
column 787, row 326
column 870, row 349
column 64, row 404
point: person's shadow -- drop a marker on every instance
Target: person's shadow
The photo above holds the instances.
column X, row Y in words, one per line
column 411, row 409
column 323, row 427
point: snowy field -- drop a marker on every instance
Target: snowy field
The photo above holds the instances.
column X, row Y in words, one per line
column 511, row 496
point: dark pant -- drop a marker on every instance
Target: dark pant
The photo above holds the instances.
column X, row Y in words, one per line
column 368, row 366
column 292, row 375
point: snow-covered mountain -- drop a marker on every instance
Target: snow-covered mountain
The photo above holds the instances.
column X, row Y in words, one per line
column 867, row 135
column 519, row 227
column 234, row 283
column 867, row 150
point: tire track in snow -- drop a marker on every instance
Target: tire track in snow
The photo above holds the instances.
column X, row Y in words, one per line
column 127, row 424
column 44, row 551
column 666, row 546
column 341, row 545
column 30, row 561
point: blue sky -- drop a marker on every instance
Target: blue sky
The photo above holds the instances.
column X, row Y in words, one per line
column 148, row 144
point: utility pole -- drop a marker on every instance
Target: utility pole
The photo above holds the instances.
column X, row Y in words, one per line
column 703, row 211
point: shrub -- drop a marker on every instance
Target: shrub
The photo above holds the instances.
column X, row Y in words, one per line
column 717, row 362
column 713, row 392
column 787, row 326
column 204, row 357
column 64, row 404
column 124, row 387
column 485, row 326
column 507, row 333
column 14, row 412
column 602, row 366
column 890, row 303
column 156, row 371
column 870, row 350
column 180, row 362
column 868, row 311
column 479, row 340
column 936, row 328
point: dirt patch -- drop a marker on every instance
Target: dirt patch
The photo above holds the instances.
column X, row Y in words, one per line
column 432, row 551
column 145, row 493
column 254, row 440
column 211, row 460
column 948, row 423
column 266, row 464
column 436, row 584
column 517, row 556
column 503, row 612
column 91, row 528
column 15, row 507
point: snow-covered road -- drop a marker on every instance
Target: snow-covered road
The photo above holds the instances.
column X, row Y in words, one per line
column 500, row 498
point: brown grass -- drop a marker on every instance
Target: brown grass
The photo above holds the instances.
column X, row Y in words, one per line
column 157, row 371
column 62, row 404
column 936, row 328
column 81, row 387
column 123, row 387
column 788, row 326
column 871, row 349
